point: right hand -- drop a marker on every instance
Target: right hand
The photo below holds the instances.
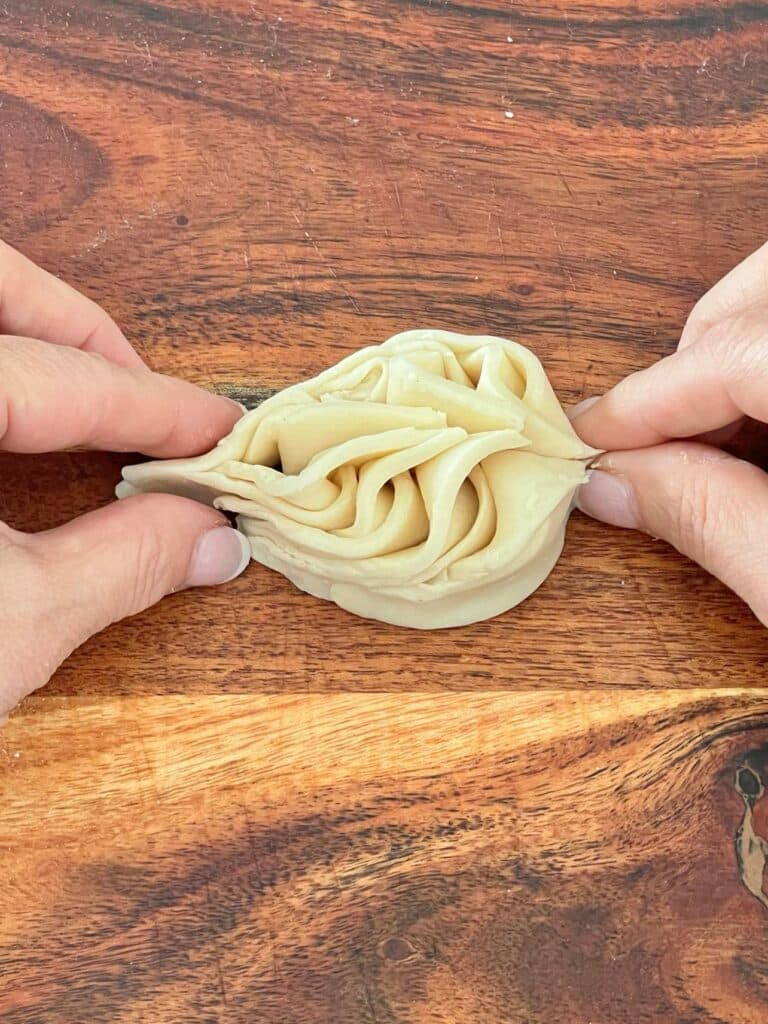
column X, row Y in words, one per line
column 664, row 472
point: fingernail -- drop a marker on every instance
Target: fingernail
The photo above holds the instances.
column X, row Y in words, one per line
column 238, row 405
column 610, row 499
column 221, row 554
column 577, row 410
column 125, row 490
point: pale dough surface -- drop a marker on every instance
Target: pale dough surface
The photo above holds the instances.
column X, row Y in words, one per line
column 425, row 482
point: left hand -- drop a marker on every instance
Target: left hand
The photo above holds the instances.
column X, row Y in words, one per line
column 69, row 378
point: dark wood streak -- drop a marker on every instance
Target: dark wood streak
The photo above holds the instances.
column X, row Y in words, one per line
column 110, row 74
column 489, row 878
column 630, row 99
column 76, row 168
column 684, row 23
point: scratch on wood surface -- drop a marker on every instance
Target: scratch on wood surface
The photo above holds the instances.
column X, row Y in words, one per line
column 215, row 949
column 159, row 949
column 702, row 68
column 651, row 613
column 564, row 268
column 399, row 201
column 366, row 986
column 256, row 861
column 565, row 182
column 327, row 264
column 143, row 47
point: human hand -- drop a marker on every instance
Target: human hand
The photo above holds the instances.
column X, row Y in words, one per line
column 664, row 473
column 69, row 378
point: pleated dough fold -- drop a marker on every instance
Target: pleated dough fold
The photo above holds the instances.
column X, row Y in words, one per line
column 425, row 482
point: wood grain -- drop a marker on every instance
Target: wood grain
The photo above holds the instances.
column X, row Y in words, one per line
column 471, row 859
column 246, row 805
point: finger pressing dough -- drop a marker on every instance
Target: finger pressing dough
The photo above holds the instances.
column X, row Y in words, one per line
column 425, row 482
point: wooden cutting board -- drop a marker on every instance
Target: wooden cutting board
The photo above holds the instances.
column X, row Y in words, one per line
column 246, row 805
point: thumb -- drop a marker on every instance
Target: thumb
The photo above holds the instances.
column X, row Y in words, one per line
column 58, row 588
column 709, row 505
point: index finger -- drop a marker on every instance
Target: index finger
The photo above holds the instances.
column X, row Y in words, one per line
column 54, row 397
column 36, row 304
column 697, row 389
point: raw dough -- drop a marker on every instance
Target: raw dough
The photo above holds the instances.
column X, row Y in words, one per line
column 425, row 482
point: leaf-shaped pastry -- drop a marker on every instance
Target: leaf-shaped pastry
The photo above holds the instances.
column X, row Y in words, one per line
column 425, row 482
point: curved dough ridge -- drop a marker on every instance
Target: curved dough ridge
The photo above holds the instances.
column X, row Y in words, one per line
column 424, row 482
